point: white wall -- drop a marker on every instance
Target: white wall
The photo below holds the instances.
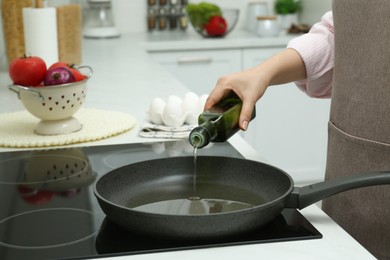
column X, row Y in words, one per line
column 314, row 9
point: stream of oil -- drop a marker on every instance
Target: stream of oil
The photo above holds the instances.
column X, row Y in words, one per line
column 194, row 197
column 206, row 198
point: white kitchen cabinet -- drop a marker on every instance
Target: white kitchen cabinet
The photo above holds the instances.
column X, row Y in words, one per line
column 199, row 70
column 290, row 129
column 251, row 57
column 254, row 56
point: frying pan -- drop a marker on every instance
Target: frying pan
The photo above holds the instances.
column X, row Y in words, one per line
column 268, row 189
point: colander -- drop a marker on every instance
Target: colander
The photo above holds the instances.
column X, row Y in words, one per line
column 58, row 170
column 54, row 105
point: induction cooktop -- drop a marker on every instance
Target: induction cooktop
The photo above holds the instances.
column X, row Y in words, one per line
column 48, row 209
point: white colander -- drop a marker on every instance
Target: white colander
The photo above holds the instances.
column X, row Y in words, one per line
column 58, row 170
column 54, row 105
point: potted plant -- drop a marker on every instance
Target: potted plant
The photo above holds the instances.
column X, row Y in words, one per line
column 287, row 11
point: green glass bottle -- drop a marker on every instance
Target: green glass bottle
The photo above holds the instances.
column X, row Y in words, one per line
column 218, row 123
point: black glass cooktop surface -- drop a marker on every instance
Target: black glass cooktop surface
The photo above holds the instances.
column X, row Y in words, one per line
column 48, row 209
column 288, row 226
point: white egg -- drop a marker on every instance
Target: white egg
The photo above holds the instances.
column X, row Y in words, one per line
column 202, row 102
column 156, row 109
column 173, row 114
column 190, row 103
column 174, row 99
column 191, row 96
column 191, row 118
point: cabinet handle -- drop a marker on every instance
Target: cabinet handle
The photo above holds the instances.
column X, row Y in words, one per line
column 193, row 59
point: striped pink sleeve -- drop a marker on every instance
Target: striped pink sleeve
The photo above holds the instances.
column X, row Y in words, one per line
column 317, row 51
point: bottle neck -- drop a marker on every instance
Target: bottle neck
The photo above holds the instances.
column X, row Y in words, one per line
column 202, row 135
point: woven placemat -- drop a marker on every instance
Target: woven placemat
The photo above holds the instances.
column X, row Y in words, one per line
column 17, row 128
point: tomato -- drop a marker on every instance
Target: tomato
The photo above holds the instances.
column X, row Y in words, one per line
column 27, row 71
column 59, row 64
column 77, row 75
column 33, row 196
column 217, row 26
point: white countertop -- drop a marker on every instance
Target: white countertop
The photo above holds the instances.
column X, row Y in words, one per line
column 178, row 41
column 126, row 79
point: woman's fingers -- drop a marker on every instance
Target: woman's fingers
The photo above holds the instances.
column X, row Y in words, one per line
column 218, row 93
column 248, row 105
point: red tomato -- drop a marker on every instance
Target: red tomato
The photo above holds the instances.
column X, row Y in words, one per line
column 34, row 197
column 217, row 26
column 77, row 75
column 59, row 64
column 27, row 71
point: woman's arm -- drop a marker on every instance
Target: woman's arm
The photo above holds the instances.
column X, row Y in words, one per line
column 250, row 85
column 308, row 60
column 316, row 49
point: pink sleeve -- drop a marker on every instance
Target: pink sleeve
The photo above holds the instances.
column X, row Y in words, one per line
column 317, row 51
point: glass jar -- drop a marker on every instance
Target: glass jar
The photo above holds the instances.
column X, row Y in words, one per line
column 99, row 22
column 267, row 26
column 173, row 17
column 183, row 20
column 152, row 23
column 152, row 2
column 255, row 9
column 162, row 19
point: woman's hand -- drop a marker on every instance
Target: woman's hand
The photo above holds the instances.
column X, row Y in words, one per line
column 247, row 84
column 250, row 85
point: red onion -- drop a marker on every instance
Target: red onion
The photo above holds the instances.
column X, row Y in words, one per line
column 58, row 76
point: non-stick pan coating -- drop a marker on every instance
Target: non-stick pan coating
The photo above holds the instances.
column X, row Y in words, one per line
column 116, row 188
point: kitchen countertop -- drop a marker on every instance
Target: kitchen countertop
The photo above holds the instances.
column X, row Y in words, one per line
column 126, row 79
column 179, row 41
column 134, row 79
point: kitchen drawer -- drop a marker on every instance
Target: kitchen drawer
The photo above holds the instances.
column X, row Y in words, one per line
column 200, row 70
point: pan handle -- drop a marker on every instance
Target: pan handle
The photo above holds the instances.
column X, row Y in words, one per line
column 302, row 197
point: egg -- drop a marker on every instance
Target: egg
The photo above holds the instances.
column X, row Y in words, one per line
column 156, row 109
column 202, row 102
column 173, row 114
column 174, row 99
column 190, row 108
column 190, row 102
column 191, row 118
column 190, row 97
